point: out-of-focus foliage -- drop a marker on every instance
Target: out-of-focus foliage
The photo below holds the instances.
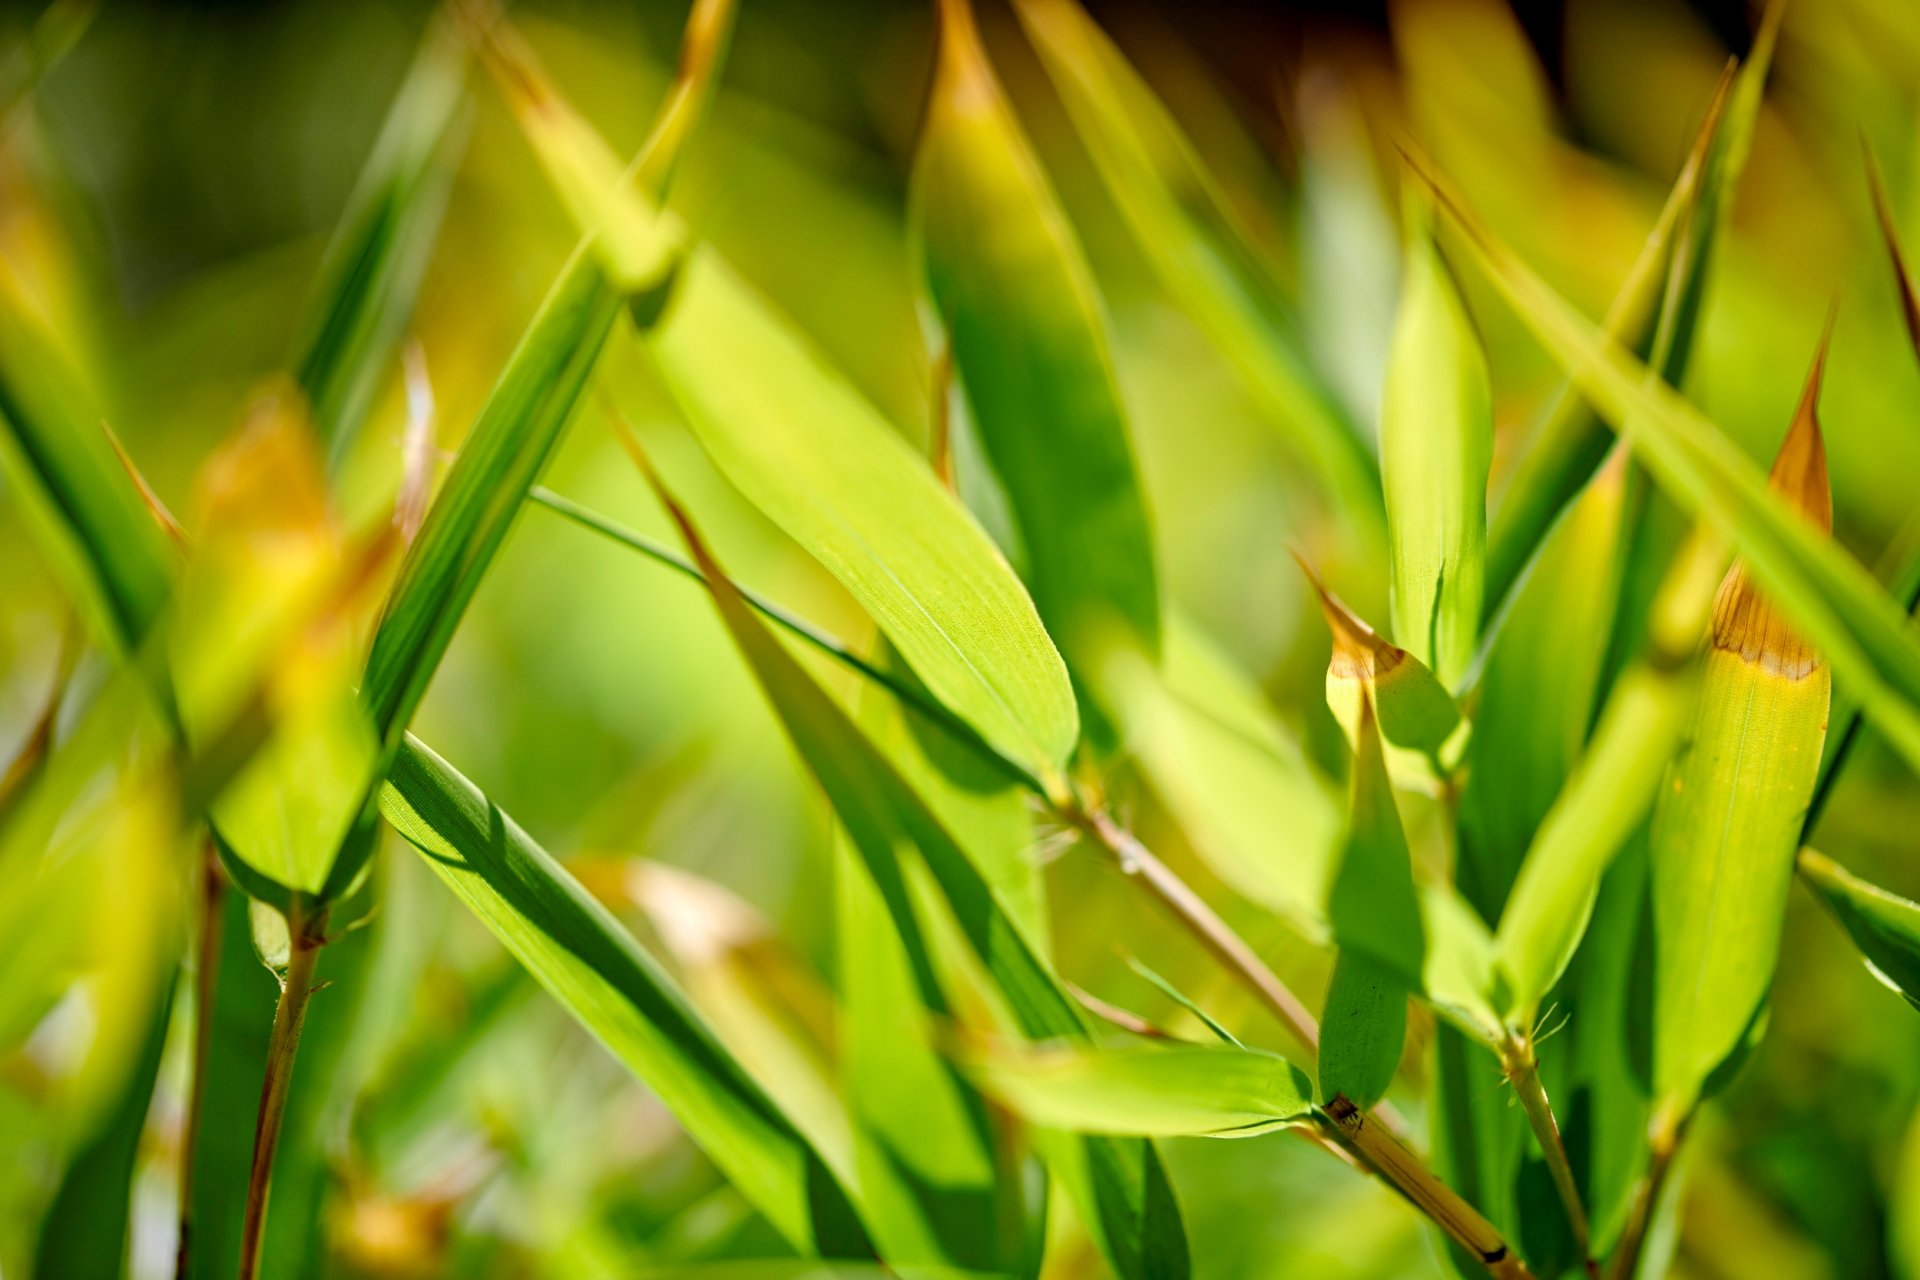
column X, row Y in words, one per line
column 1018, row 352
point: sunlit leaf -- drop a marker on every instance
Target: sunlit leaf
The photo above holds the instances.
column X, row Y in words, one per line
column 808, row 451
column 1825, row 593
column 585, row 960
column 1029, row 343
column 1436, row 446
column 1120, row 1188
column 1204, row 1090
column 1196, row 246
column 1729, row 821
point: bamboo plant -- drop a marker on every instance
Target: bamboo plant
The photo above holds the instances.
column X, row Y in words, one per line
column 1485, row 918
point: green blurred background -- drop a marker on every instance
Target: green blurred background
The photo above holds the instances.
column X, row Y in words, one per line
column 179, row 171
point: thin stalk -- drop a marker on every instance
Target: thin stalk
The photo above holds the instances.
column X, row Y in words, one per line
column 1200, row 920
column 1464, row 1224
column 206, row 982
column 1522, row 1069
column 1663, row 1146
column 305, row 938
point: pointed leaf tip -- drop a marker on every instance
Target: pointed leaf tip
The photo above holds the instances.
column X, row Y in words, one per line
column 1744, row 620
column 1883, row 213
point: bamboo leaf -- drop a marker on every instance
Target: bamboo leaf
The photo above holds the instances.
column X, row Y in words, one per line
column 1028, row 340
column 1537, row 691
column 510, row 442
column 1192, row 239
column 1729, row 822
column 1609, row 792
column 1120, row 1188
column 382, row 243
column 1373, row 905
column 806, row 449
column 1369, row 679
column 1188, row 1090
column 1654, row 314
column 1884, row 926
column 87, row 512
column 585, row 960
column 1824, row 593
column 1362, row 1029
column 1251, row 804
column 1436, row 446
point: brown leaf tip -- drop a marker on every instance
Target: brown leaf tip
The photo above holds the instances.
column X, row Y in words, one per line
column 1358, row 650
column 1745, row 622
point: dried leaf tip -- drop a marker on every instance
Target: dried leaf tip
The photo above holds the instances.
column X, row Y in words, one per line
column 1358, row 650
column 965, row 77
column 1745, row 622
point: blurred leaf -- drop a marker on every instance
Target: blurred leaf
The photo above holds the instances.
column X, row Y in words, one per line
column 84, row 1232
column 381, row 245
column 1884, row 926
column 1362, row 1029
column 1251, row 804
column 1120, row 1189
column 1195, row 243
column 256, row 618
column 1203, row 1090
column 1029, row 342
column 1729, row 821
column 596, row 970
column 1436, row 445
column 88, row 514
column 1654, row 314
column 1825, row 593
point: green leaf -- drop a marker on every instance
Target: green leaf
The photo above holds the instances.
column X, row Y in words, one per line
column 585, row 960
column 1730, row 817
column 79, row 499
column 1251, row 804
column 1194, row 242
column 1028, row 340
column 805, row 448
column 1609, row 792
column 382, row 243
column 1120, row 1189
column 84, row 1232
column 510, row 442
column 1654, row 314
column 1362, row 1029
column 927, row 1126
column 1372, row 904
column 1370, row 679
column 1187, row 1090
column 1537, row 691
column 1823, row 591
column 1884, row 926
column 1436, row 446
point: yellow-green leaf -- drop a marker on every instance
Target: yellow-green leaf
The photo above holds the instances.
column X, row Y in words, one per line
column 1728, row 824
column 1436, row 445
column 1029, row 344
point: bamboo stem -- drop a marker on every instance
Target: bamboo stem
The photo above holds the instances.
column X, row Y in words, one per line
column 206, row 982
column 1522, row 1068
column 1464, row 1224
column 305, row 938
column 1662, row 1146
